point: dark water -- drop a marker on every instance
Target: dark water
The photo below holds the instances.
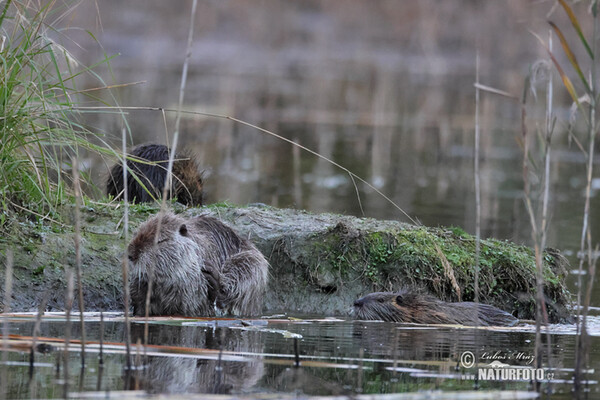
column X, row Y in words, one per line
column 385, row 90
column 336, row 357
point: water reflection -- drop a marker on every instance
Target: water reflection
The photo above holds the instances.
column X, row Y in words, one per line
column 336, row 358
column 214, row 372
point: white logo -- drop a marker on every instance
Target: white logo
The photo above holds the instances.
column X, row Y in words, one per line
column 467, row 359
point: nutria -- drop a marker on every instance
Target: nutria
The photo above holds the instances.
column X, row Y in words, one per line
column 411, row 306
column 152, row 173
column 198, row 263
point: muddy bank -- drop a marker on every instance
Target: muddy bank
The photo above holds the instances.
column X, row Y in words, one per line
column 320, row 263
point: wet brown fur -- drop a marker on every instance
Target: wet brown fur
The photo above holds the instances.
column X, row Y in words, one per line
column 187, row 183
column 198, row 263
column 411, row 306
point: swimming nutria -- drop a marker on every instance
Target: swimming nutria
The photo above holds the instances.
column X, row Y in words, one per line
column 152, row 173
column 410, row 306
column 198, row 263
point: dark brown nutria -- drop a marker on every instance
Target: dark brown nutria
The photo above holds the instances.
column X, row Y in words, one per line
column 152, row 173
column 411, row 306
column 198, row 263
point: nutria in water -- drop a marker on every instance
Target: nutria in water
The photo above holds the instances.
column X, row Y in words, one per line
column 152, row 173
column 198, row 263
column 411, row 306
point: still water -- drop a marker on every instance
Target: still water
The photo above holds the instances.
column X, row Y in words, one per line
column 385, row 90
column 335, row 357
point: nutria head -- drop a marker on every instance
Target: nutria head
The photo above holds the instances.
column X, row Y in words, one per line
column 175, row 261
column 385, row 306
column 412, row 306
column 188, row 184
column 148, row 176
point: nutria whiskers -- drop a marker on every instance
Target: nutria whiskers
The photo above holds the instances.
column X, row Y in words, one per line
column 410, row 306
column 151, row 171
column 198, row 263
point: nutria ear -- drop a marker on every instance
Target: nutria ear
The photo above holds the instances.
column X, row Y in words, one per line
column 183, row 231
column 399, row 299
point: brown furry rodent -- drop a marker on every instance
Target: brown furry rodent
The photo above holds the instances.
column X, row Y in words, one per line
column 187, row 184
column 198, row 263
column 411, row 306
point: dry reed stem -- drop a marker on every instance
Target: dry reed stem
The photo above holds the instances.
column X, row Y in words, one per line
column 581, row 341
column 77, row 187
column 36, row 332
column 168, row 183
column 68, row 307
column 5, row 325
column 541, row 312
column 101, row 355
column 125, row 261
column 477, row 206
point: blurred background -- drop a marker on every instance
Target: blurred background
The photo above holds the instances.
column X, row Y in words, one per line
column 384, row 88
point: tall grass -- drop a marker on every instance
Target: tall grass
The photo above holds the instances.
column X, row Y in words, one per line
column 536, row 160
column 39, row 132
column 586, row 105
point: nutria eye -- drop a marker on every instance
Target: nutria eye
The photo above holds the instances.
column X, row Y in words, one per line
column 183, row 230
column 399, row 299
column 381, row 300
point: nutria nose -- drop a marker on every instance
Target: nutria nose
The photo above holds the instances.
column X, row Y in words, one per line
column 358, row 303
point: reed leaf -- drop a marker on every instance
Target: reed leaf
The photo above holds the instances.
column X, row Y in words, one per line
column 566, row 81
column 570, row 55
column 577, row 27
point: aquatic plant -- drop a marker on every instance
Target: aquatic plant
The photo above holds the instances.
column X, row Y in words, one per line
column 39, row 132
column 586, row 107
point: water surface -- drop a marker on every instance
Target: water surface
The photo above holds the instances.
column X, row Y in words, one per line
column 336, row 357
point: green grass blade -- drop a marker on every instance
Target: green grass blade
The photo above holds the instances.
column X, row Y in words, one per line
column 577, row 27
column 4, row 11
column 570, row 55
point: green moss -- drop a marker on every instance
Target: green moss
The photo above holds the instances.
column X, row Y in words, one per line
column 391, row 259
column 39, row 270
column 360, row 254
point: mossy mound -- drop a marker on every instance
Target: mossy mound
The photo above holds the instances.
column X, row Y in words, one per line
column 320, row 263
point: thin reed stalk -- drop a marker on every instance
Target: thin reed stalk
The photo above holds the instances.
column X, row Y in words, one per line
column 77, row 187
column 477, row 207
column 541, row 311
column 477, row 184
column 586, row 247
column 539, row 232
column 101, row 353
column 36, row 332
column 68, row 308
column 182, row 86
column 168, row 182
column 125, row 260
column 5, row 324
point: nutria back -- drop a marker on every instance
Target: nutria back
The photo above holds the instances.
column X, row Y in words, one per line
column 148, row 176
column 198, row 265
column 411, row 306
